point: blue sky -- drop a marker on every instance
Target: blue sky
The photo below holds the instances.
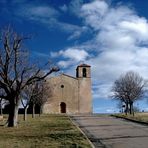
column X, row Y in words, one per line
column 110, row 35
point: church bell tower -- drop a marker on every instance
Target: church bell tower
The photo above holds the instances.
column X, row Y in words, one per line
column 83, row 74
column 83, row 71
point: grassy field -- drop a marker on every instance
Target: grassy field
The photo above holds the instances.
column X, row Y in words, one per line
column 47, row 131
column 138, row 116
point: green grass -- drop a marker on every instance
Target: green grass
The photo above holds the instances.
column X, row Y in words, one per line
column 138, row 116
column 51, row 131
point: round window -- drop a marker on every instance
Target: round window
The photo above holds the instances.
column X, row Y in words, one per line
column 62, row 86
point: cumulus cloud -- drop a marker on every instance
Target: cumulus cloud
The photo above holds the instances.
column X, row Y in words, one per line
column 75, row 6
column 78, row 32
column 94, row 12
column 120, row 44
column 65, row 64
column 122, row 36
column 101, row 90
column 75, row 54
column 71, row 56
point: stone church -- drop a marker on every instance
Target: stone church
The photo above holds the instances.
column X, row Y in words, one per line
column 71, row 95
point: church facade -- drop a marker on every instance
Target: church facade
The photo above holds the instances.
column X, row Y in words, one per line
column 71, row 95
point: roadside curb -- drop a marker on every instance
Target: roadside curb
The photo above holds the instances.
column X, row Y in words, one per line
column 132, row 120
column 77, row 126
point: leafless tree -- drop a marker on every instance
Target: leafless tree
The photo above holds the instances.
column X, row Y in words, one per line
column 15, row 71
column 129, row 88
column 45, row 95
column 33, row 95
column 26, row 97
column 121, row 106
column 36, row 96
column 2, row 104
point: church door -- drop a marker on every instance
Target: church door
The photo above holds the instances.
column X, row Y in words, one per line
column 63, row 107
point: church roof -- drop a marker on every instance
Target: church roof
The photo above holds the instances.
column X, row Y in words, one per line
column 68, row 76
column 84, row 65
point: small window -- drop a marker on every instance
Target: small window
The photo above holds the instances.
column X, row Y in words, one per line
column 62, row 86
column 84, row 72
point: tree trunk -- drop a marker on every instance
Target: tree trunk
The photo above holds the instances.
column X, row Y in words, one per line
column 25, row 113
column 1, row 107
column 1, row 110
column 33, row 110
column 13, row 114
column 131, row 108
column 40, row 112
column 126, row 108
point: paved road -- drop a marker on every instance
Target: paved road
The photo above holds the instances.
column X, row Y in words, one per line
column 109, row 132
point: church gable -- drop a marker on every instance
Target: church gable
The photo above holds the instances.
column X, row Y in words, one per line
column 68, row 95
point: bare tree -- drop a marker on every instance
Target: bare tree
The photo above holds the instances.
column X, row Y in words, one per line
column 45, row 90
column 26, row 97
column 36, row 96
column 32, row 95
column 129, row 88
column 15, row 73
column 121, row 106
column 41, row 92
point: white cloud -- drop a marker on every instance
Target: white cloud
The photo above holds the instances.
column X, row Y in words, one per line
column 101, row 91
column 105, row 110
column 71, row 56
column 75, row 54
column 65, row 64
column 120, row 40
column 120, row 43
column 75, row 6
column 42, row 11
column 78, row 32
column 112, row 110
column 137, row 26
column 65, row 27
column 72, row 53
column 37, row 12
column 96, row 7
column 49, row 17
column 94, row 12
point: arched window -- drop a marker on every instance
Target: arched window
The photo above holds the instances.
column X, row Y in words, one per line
column 84, row 72
column 77, row 74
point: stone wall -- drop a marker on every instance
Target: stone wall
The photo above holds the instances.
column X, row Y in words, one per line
column 67, row 94
column 85, row 96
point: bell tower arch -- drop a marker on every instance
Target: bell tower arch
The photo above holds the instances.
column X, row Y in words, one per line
column 83, row 71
